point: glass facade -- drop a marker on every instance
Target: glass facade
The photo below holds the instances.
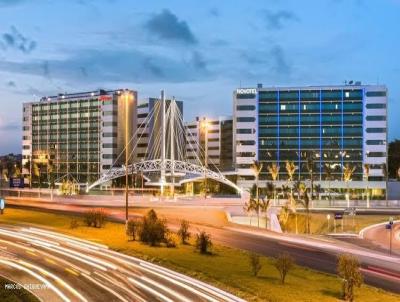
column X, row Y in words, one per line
column 68, row 132
column 326, row 125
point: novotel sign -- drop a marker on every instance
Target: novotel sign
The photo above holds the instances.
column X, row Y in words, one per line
column 246, row 91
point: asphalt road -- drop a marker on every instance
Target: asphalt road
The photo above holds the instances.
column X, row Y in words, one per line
column 379, row 235
column 57, row 267
column 379, row 269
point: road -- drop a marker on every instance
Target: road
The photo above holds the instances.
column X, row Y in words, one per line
column 380, row 236
column 57, row 267
column 379, row 269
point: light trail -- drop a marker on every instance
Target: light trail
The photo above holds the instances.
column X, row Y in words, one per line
column 98, row 258
column 150, row 290
column 36, row 276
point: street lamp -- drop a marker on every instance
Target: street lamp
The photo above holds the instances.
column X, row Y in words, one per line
column 328, row 217
column 204, row 125
column 126, row 99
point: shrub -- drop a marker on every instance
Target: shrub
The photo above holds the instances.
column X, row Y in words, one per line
column 255, row 263
column 95, row 218
column 284, row 263
column 89, row 218
column 203, row 242
column 132, row 228
column 170, row 241
column 74, row 223
column 349, row 270
column 152, row 230
column 183, row 231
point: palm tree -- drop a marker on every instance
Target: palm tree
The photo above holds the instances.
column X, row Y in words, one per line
column 256, row 166
column 310, row 168
column 347, row 174
column 305, row 202
column 366, row 171
column 385, row 175
column 328, row 176
column 274, row 171
column 269, row 192
column 290, row 169
column 257, row 206
column 50, row 177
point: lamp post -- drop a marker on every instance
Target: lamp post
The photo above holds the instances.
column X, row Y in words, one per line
column 328, row 217
column 126, row 96
column 204, row 127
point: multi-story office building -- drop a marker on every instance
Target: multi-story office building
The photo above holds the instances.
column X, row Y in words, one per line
column 81, row 134
column 218, row 133
column 149, row 128
column 335, row 126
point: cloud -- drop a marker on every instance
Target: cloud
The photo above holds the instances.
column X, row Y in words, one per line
column 115, row 66
column 214, row 12
column 198, row 61
column 276, row 20
column 10, row 2
column 279, row 61
column 167, row 26
column 15, row 40
column 11, row 84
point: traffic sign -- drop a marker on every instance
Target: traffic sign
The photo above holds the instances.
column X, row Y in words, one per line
column 388, row 226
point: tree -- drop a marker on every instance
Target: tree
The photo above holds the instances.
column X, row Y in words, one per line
column 256, row 166
column 274, row 171
column 152, row 229
column 257, row 206
column 183, row 231
column 366, row 173
column 255, row 263
column 385, row 178
column 290, row 169
column 347, row 174
column 328, row 176
column 310, row 169
column 132, row 228
column 283, row 263
column 349, row 270
column 203, row 242
column 394, row 159
column 305, row 202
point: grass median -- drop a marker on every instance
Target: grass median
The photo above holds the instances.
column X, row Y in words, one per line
column 227, row 268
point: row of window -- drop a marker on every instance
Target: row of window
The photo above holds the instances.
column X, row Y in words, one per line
column 311, row 95
column 311, row 119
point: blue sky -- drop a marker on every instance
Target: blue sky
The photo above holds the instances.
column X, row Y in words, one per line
column 199, row 51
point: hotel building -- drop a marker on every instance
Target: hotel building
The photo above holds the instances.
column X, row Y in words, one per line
column 335, row 126
column 81, row 134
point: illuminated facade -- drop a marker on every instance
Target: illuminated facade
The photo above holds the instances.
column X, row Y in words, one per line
column 80, row 134
column 335, row 126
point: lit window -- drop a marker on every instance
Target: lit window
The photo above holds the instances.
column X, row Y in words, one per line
column 336, row 106
column 304, row 107
column 283, row 107
column 347, row 94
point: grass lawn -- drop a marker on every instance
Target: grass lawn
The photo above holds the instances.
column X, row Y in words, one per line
column 14, row 295
column 227, row 268
column 319, row 223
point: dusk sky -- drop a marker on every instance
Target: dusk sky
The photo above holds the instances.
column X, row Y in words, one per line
column 198, row 51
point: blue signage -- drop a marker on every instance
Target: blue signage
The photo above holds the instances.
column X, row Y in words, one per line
column 16, row 182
